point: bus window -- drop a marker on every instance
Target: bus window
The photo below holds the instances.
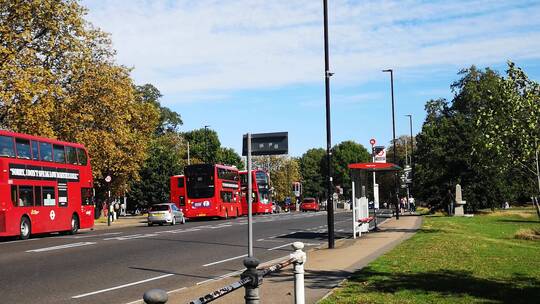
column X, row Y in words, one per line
column 45, row 151
column 26, row 196
column 23, row 148
column 6, row 146
column 35, row 150
column 180, row 182
column 49, row 196
column 87, row 196
column 59, row 154
column 83, row 160
column 71, row 155
column 14, row 195
column 226, row 196
column 37, row 196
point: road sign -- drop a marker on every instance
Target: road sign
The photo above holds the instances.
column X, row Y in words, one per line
column 108, row 179
column 380, row 154
column 267, row 144
column 372, row 141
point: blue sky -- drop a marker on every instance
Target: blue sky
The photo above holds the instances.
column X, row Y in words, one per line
column 257, row 66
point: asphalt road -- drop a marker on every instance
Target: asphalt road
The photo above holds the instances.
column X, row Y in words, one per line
column 118, row 265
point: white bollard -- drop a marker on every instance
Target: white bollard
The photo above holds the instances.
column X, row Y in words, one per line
column 299, row 260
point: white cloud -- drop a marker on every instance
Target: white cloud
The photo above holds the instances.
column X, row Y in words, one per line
column 204, row 48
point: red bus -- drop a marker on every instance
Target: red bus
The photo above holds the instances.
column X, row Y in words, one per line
column 45, row 186
column 178, row 192
column 260, row 185
column 212, row 191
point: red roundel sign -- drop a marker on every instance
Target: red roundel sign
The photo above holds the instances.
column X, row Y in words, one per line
column 372, row 141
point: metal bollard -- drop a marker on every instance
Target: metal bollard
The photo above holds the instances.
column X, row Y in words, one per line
column 299, row 259
column 155, row 296
column 252, row 288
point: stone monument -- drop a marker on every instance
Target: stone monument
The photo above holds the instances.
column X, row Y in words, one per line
column 459, row 210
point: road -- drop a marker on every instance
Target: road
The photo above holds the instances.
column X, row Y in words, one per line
column 118, row 265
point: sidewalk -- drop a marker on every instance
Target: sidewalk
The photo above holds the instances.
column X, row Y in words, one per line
column 122, row 222
column 325, row 268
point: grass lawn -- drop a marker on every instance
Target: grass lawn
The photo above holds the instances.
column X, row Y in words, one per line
column 455, row 260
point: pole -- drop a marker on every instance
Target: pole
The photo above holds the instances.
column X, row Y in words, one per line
column 412, row 153
column 353, row 201
column 249, row 198
column 394, row 141
column 188, row 161
column 299, row 261
column 327, row 74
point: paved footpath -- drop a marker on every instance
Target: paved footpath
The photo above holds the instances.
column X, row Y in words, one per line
column 325, row 268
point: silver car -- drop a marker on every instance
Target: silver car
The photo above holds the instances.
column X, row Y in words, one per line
column 165, row 214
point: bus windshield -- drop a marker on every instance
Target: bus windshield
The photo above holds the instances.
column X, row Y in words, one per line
column 199, row 181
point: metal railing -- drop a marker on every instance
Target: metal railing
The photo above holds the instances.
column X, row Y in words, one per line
column 250, row 279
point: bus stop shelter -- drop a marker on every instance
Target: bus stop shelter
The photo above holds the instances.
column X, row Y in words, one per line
column 360, row 206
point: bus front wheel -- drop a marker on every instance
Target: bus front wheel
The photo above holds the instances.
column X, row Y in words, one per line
column 25, row 228
column 74, row 225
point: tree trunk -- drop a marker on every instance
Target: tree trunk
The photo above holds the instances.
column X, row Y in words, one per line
column 537, row 205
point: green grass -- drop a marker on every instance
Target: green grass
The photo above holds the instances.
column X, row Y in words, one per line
column 454, row 260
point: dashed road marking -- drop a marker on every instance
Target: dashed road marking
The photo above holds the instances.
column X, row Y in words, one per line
column 226, row 260
column 61, row 247
column 121, row 286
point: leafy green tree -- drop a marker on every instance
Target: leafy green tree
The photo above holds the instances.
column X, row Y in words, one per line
column 343, row 154
column 58, row 79
column 228, row 156
column 204, row 145
column 165, row 160
column 169, row 120
column 447, row 148
column 510, row 124
column 311, row 171
column 283, row 172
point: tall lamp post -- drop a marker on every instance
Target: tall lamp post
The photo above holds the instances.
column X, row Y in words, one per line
column 206, row 142
column 394, row 140
column 329, row 188
column 412, row 152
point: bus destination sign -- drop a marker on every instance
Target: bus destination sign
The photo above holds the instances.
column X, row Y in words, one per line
column 42, row 173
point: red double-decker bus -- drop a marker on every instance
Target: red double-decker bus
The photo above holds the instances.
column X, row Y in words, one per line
column 260, row 185
column 212, row 191
column 178, row 192
column 45, row 186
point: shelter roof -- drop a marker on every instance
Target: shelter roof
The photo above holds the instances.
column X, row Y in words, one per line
column 374, row 167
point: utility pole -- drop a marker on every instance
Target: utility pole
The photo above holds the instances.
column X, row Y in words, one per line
column 329, row 187
column 394, row 141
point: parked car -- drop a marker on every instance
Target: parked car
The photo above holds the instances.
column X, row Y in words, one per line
column 165, row 214
column 309, row 203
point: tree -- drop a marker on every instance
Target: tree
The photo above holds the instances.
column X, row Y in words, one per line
column 283, row 172
column 228, row 156
column 204, row 145
column 58, row 79
column 511, row 126
column 343, row 154
column 169, row 120
column 165, row 160
column 311, row 168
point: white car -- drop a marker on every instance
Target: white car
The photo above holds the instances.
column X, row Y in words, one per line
column 165, row 214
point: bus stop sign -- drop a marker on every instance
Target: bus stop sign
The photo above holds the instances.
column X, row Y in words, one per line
column 267, row 144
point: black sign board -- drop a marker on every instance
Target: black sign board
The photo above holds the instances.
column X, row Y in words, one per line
column 19, row 171
column 267, row 144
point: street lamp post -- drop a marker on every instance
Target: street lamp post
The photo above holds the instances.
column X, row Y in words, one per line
column 394, row 140
column 412, row 152
column 206, row 142
column 327, row 75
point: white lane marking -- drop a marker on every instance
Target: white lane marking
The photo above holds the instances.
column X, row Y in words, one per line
column 89, row 236
column 220, row 226
column 226, row 260
column 61, row 247
column 130, row 237
column 121, row 286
